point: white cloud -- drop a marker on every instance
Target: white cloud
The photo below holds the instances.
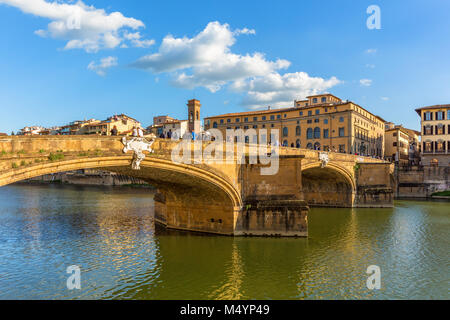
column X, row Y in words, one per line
column 244, row 31
column 385, row 98
column 279, row 90
column 206, row 60
column 82, row 26
column 371, row 51
column 365, row 82
column 105, row 63
column 136, row 41
column 370, row 66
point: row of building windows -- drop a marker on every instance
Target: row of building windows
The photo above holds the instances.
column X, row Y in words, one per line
column 438, row 115
column 401, row 144
column 310, row 133
column 436, row 146
column 325, row 121
column 313, row 146
column 435, row 130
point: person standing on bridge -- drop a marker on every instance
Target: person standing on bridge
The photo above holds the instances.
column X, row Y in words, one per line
column 114, row 131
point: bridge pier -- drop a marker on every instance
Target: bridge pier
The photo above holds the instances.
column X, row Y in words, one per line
column 274, row 218
column 273, row 204
column 195, row 213
column 374, row 185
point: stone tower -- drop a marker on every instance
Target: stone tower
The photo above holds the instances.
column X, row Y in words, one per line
column 194, row 115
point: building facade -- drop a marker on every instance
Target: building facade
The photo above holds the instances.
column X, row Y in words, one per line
column 159, row 120
column 401, row 144
column 321, row 122
column 194, row 122
column 178, row 126
column 435, row 126
column 31, row 131
column 124, row 125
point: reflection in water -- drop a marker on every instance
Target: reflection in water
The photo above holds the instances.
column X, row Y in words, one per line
column 231, row 288
column 110, row 233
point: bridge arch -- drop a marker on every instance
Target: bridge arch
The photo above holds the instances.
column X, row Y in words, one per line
column 194, row 198
column 331, row 186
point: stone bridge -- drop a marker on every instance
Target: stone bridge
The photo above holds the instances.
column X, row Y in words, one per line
column 230, row 198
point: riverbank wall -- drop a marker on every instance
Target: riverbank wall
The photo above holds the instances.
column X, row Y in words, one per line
column 420, row 182
column 88, row 177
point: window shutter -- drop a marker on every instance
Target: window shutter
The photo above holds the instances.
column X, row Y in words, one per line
column 431, row 115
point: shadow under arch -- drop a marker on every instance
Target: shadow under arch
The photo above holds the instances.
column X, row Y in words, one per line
column 331, row 186
column 195, row 198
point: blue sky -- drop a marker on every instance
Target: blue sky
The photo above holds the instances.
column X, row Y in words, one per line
column 231, row 55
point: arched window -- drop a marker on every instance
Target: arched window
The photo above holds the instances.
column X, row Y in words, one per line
column 309, row 133
column 285, row 143
column 215, row 125
column 197, row 116
column 316, row 146
column 292, row 145
column 297, row 143
column 309, row 146
column 297, row 130
column 316, row 133
column 285, row 132
column 191, row 116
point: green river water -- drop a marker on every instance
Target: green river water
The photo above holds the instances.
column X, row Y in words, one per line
column 110, row 234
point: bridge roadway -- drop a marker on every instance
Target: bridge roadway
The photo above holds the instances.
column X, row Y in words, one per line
column 229, row 198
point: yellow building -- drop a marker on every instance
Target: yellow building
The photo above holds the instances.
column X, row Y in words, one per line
column 399, row 141
column 321, row 122
column 435, row 124
column 123, row 123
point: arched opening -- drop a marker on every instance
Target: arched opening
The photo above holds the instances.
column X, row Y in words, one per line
column 316, row 133
column 195, row 199
column 327, row 187
column 297, row 143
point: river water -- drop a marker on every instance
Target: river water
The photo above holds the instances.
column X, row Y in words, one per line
column 110, row 234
